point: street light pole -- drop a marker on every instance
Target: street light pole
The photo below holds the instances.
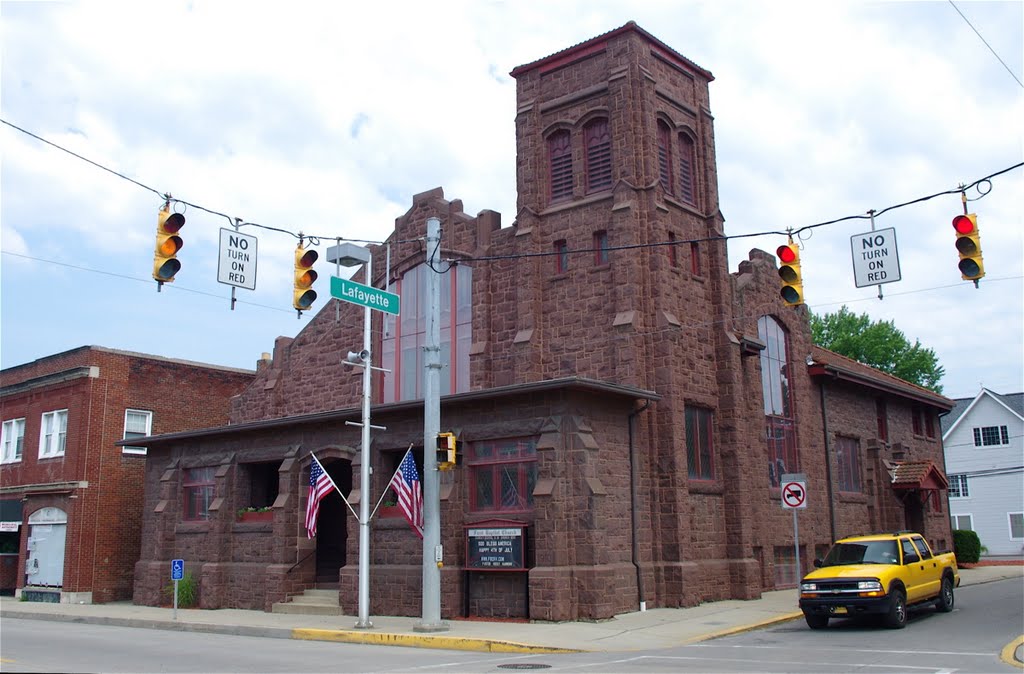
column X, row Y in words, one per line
column 350, row 255
column 364, row 472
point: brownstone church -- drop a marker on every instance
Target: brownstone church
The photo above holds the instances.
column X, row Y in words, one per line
column 621, row 400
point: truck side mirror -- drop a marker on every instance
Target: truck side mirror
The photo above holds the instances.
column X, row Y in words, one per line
column 911, row 558
column 817, row 563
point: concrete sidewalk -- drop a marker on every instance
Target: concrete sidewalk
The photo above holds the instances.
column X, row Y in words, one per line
column 651, row 629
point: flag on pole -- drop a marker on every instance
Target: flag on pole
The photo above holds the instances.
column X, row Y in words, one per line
column 406, row 483
column 320, row 485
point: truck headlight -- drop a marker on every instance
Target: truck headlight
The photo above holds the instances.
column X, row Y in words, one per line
column 808, row 587
column 869, row 586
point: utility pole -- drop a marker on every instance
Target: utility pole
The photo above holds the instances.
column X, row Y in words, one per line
column 432, row 551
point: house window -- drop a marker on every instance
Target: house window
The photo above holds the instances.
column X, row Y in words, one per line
column 405, row 335
column 665, row 156
column 137, row 424
column 780, row 429
column 502, row 475
column 686, row 191
column 259, row 484
column 198, row 492
column 601, row 248
column 882, row 417
column 699, row 447
column 560, row 165
column 987, row 436
column 673, row 253
column 53, row 433
column 694, row 258
column 561, row 257
column 13, row 440
column 962, row 522
column 848, row 459
column 929, row 424
column 958, row 486
column 916, row 421
column 1016, row 525
column 598, row 143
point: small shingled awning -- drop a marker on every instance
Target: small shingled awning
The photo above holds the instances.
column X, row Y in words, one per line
column 921, row 475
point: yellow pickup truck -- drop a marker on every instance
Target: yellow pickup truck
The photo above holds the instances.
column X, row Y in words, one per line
column 879, row 574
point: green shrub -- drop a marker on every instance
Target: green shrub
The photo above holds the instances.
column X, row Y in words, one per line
column 188, row 591
column 967, row 546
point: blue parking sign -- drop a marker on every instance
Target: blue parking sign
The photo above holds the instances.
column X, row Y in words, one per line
column 177, row 569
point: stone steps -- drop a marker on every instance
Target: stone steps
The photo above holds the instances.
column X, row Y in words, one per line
column 310, row 602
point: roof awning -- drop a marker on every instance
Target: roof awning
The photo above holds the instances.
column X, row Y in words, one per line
column 917, row 475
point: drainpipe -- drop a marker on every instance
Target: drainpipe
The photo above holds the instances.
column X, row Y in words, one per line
column 633, row 506
column 828, row 465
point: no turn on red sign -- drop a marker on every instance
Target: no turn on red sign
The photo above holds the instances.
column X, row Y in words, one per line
column 794, row 493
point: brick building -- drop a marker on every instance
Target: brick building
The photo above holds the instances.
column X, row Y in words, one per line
column 70, row 498
column 615, row 389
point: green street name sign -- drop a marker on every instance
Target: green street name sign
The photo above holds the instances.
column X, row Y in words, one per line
column 357, row 293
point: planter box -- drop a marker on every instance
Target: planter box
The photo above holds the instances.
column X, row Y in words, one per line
column 267, row 516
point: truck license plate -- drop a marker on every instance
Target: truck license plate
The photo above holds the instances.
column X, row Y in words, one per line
column 839, row 610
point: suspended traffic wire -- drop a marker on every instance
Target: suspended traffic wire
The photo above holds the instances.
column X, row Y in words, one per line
column 980, row 37
column 315, row 239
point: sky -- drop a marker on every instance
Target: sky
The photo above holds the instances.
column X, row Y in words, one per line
column 326, row 118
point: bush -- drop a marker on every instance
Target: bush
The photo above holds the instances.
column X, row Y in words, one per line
column 188, row 591
column 966, row 546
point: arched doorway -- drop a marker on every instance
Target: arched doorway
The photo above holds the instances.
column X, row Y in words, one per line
column 332, row 525
column 47, row 530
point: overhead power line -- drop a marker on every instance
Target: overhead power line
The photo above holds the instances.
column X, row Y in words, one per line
column 315, row 239
column 980, row 37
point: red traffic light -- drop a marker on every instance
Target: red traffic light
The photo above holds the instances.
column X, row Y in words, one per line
column 963, row 224
column 787, row 253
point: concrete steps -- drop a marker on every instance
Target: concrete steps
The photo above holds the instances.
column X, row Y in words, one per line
column 310, row 602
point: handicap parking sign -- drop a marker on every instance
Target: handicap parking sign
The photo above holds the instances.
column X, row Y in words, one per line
column 177, row 569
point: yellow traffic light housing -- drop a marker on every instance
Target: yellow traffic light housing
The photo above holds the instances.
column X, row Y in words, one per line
column 792, row 290
column 968, row 245
column 447, row 454
column 168, row 243
column 303, row 294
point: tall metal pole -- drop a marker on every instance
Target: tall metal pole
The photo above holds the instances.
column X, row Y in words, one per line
column 364, row 472
column 432, row 553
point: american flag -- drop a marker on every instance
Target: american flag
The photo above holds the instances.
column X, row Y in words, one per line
column 406, row 484
column 320, row 485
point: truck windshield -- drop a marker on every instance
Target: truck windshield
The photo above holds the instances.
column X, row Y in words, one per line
column 866, row 552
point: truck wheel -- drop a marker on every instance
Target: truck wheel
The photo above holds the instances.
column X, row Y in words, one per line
column 816, row 621
column 897, row 618
column 945, row 601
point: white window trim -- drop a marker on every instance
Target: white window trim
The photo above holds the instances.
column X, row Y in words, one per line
column 141, row 451
column 961, row 482
column 969, row 516
column 1009, row 524
column 9, row 442
column 45, row 451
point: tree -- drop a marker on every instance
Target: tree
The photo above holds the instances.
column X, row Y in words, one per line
column 878, row 344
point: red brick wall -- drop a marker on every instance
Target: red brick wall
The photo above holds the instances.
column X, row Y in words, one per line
column 104, row 519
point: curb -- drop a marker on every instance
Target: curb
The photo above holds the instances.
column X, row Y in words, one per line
column 170, row 625
column 425, row 641
column 745, row 628
column 1011, row 652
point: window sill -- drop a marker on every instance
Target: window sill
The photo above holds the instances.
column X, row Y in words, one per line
column 852, row 497
column 698, row 486
column 192, row 527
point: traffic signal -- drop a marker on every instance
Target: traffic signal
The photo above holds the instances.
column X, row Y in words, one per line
column 168, row 243
column 792, row 290
column 447, row 456
column 968, row 244
column 303, row 294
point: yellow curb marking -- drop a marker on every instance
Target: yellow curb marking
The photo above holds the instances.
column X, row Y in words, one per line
column 1007, row 654
column 744, row 628
column 424, row 641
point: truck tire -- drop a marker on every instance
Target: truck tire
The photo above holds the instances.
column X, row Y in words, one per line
column 944, row 603
column 816, row 621
column 897, row 618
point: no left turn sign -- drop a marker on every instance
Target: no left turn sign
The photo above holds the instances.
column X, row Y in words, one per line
column 794, row 495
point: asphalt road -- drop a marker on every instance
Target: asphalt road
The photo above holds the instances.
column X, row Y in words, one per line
column 987, row 617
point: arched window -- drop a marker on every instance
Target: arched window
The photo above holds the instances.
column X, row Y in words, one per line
column 686, row 183
column 598, row 142
column 404, row 335
column 665, row 156
column 780, row 429
column 560, row 165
